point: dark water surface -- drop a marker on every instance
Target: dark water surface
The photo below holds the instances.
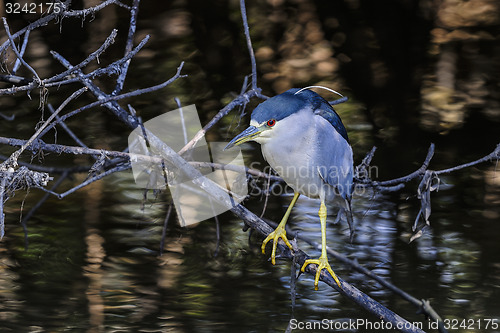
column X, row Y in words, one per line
column 92, row 264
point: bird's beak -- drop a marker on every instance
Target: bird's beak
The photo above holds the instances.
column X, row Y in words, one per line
column 247, row 135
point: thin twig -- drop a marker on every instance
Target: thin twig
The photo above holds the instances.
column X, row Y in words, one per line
column 89, row 11
column 494, row 155
column 113, row 68
column 49, row 169
column 88, row 181
column 18, row 54
column 249, row 43
column 137, row 92
column 113, row 106
column 240, row 100
column 66, row 128
column 23, row 49
column 12, row 161
column 94, row 55
column 417, row 173
column 134, row 11
column 43, row 21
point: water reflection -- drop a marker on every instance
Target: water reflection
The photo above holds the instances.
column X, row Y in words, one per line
column 93, row 264
column 123, row 285
column 462, row 37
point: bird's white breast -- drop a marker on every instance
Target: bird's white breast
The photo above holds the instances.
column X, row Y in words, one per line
column 292, row 151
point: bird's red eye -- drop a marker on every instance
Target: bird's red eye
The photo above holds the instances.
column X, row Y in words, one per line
column 271, row 122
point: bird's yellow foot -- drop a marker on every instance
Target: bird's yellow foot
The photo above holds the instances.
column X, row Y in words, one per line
column 278, row 233
column 322, row 263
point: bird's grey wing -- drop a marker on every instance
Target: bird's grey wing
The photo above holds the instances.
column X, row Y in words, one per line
column 336, row 182
column 326, row 111
column 335, row 167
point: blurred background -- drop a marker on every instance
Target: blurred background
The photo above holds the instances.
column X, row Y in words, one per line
column 415, row 72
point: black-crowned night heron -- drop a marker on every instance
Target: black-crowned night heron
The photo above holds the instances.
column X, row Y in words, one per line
column 304, row 141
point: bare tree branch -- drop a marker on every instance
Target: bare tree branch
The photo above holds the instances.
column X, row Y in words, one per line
column 94, row 55
column 130, row 121
column 429, row 182
column 66, row 128
column 134, row 11
column 494, row 155
column 21, row 52
column 417, row 173
column 16, row 51
column 12, row 161
column 249, row 43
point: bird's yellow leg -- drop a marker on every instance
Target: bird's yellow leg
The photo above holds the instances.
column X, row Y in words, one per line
column 280, row 231
column 322, row 262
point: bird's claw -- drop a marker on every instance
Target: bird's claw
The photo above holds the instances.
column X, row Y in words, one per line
column 322, row 263
column 278, row 233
